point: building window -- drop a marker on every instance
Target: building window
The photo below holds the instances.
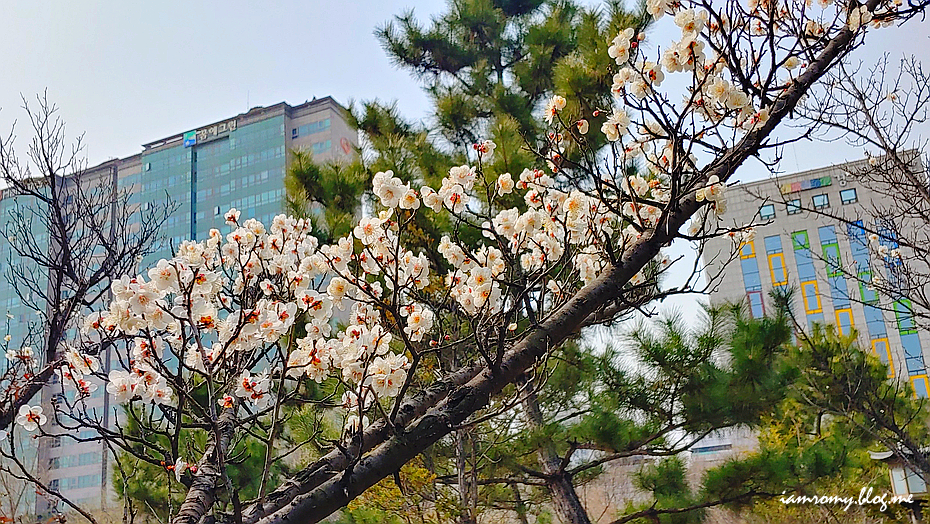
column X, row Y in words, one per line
column 756, row 305
column 800, row 240
column 848, row 196
column 88, row 458
column 711, row 449
column 793, row 207
column 883, row 352
column 902, row 311
column 821, row 201
column 767, row 212
column 844, row 321
column 920, row 391
column 811, row 296
column 777, row 269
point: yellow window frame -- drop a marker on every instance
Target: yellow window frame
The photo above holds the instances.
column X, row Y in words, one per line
column 887, row 350
column 752, row 250
column 915, row 378
column 807, row 308
column 784, row 269
column 839, row 324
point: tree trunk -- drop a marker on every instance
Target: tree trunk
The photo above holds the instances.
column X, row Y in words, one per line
column 564, row 497
column 316, row 493
column 468, row 489
column 519, row 506
column 202, row 493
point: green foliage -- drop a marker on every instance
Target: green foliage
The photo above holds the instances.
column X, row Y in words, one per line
column 768, row 383
column 483, row 60
column 692, row 379
column 329, row 193
column 150, row 481
column 414, row 500
column 489, row 66
column 666, row 481
column 854, row 387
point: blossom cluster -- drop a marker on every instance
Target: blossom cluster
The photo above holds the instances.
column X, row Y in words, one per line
column 218, row 304
column 197, row 307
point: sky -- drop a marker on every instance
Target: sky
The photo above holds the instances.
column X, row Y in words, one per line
column 127, row 73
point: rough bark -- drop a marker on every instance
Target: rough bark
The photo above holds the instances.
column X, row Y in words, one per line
column 518, row 505
column 335, row 461
column 315, row 505
column 208, row 477
column 324, row 488
column 565, row 499
column 467, row 483
column 457, row 407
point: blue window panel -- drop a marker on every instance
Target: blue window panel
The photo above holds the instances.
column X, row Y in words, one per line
column 831, row 255
column 891, row 263
column 897, row 280
column 902, row 311
column 751, row 279
column 805, row 265
column 911, row 345
column 811, row 297
column 838, row 292
column 814, row 318
column 856, row 232
column 861, row 258
column 915, row 366
column 320, row 147
column 869, row 296
column 886, row 236
column 874, row 321
column 845, row 321
column 307, row 129
column 827, row 235
column 756, row 306
column 880, row 347
column 920, row 387
column 779, row 273
column 800, row 240
column 773, row 244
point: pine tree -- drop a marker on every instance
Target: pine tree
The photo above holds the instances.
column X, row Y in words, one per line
column 582, row 257
column 488, row 66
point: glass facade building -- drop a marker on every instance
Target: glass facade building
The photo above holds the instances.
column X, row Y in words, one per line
column 236, row 162
column 239, row 162
column 17, row 316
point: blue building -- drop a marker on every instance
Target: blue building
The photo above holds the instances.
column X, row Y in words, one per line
column 238, row 162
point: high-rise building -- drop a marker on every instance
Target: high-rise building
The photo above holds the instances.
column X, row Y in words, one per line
column 817, row 255
column 16, row 314
column 238, row 162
